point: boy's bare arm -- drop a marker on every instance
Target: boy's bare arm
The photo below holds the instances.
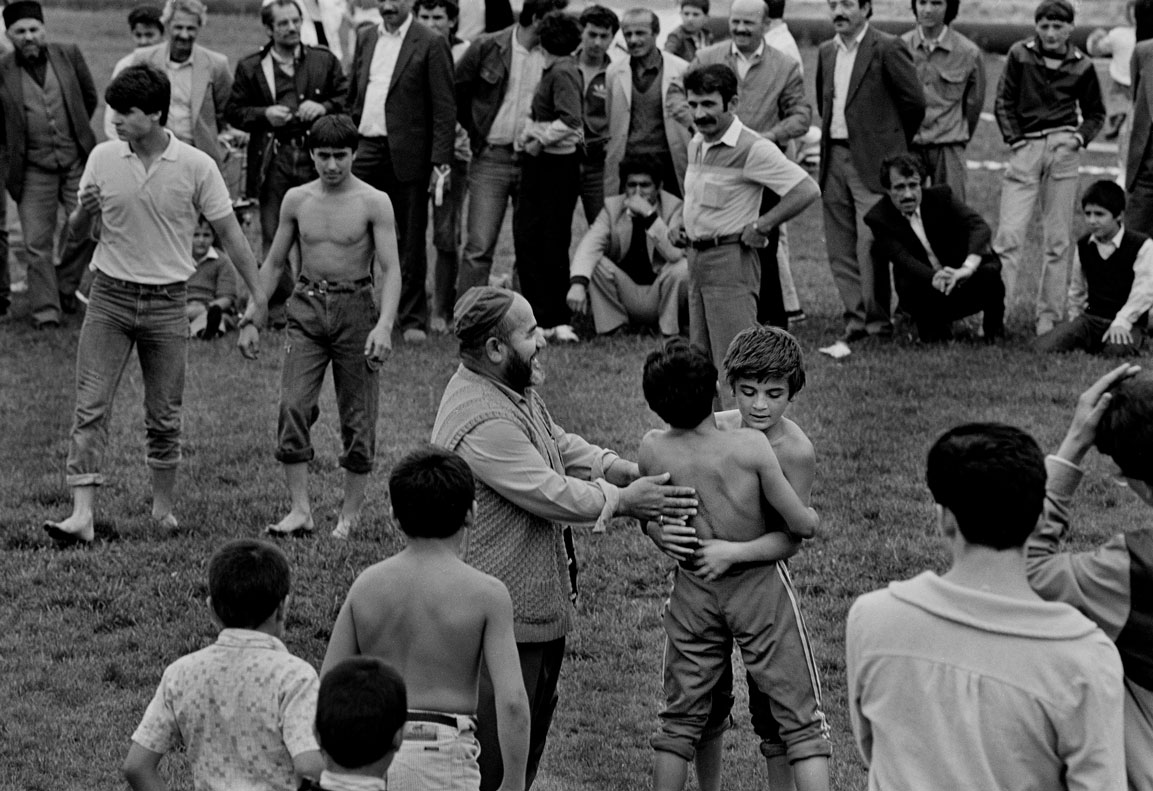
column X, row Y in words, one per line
column 512, row 709
column 343, row 643
column 387, row 276
column 269, row 276
column 232, row 239
column 142, row 769
column 802, row 520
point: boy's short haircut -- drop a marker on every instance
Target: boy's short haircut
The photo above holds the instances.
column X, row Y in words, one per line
column 905, row 164
column 951, row 9
column 431, row 491
column 1109, row 195
column 142, row 86
column 762, row 353
column 202, row 220
column 532, row 10
column 1054, row 10
column 599, row 16
column 361, row 705
column 992, row 478
column 713, row 78
column 147, row 15
column 247, row 580
column 702, row 5
column 559, row 33
column 333, row 131
column 451, row 7
column 775, row 9
column 679, row 383
column 648, row 164
column 1125, row 432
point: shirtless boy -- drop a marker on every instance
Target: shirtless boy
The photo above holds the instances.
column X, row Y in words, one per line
column 435, row 618
column 341, row 311
column 731, row 471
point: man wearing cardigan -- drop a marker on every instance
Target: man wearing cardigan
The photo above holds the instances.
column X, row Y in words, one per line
column 533, row 480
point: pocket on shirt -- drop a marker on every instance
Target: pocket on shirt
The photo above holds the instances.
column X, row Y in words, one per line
column 716, row 196
column 951, row 84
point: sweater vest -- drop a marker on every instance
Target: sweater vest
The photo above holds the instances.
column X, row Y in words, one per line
column 50, row 142
column 1135, row 642
column 1109, row 281
column 524, row 551
column 647, row 120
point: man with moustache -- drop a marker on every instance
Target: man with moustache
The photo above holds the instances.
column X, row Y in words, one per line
column 598, row 26
column 533, row 480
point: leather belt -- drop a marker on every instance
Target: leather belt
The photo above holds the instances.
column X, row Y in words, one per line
column 715, row 241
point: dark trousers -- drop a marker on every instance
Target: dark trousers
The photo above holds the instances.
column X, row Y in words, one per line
column 542, row 231
column 5, row 275
column 373, row 164
column 1087, row 332
column 771, row 302
column 540, row 665
column 934, row 312
column 1139, row 209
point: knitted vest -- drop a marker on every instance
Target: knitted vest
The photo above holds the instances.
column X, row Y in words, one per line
column 1109, row 281
column 647, row 120
column 50, row 143
column 524, row 551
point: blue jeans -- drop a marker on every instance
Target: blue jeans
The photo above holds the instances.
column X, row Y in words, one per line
column 493, row 178
column 122, row 314
column 329, row 326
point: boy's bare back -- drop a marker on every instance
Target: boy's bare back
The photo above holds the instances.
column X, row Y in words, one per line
column 335, row 228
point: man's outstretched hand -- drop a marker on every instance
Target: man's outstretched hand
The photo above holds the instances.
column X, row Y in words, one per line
column 651, row 497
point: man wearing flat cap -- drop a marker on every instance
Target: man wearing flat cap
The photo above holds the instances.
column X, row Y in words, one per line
column 534, row 479
column 47, row 97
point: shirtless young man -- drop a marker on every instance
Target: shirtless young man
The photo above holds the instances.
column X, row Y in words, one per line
column 435, row 618
column 341, row 311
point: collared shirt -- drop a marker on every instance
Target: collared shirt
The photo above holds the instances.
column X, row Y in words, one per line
column 524, row 72
column 180, row 105
column 842, row 76
column 645, row 70
column 1140, row 293
column 778, row 37
column 241, row 708
column 287, row 65
column 148, row 217
column 918, row 226
column 746, row 62
column 384, row 55
column 952, row 75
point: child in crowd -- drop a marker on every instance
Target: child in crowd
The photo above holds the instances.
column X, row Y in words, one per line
column 732, row 472
column 435, row 618
column 145, row 25
column 360, row 714
column 1048, row 108
column 1111, row 289
column 693, row 33
column 212, row 288
column 1116, row 44
column 242, row 708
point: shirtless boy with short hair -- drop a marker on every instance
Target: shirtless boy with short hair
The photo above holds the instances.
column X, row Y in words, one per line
column 435, row 618
column 341, row 311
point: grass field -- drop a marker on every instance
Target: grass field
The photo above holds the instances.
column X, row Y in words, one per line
column 86, row 634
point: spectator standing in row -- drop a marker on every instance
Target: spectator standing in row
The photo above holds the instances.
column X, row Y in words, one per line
column 400, row 96
column 952, row 76
column 692, row 34
column 777, row 32
column 478, row 17
column 48, row 97
column 598, row 27
column 1139, row 159
column 1048, row 108
column 647, row 109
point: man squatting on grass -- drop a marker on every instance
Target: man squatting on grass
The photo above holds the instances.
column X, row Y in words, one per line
column 341, row 311
column 436, row 619
column 148, row 191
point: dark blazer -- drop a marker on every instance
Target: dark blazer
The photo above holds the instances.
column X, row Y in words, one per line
column 1142, row 71
column 954, row 230
column 420, row 111
column 481, row 81
column 80, row 99
column 884, row 107
column 319, row 78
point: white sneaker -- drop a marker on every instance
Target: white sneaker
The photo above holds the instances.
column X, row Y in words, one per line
column 564, row 333
column 836, row 350
column 341, row 531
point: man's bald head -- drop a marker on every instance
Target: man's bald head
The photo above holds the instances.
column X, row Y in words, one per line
column 747, row 22
column 745, row 7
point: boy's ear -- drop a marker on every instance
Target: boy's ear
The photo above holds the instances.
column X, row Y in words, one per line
column 946, row 522
column 470, row 517
column 212, row 614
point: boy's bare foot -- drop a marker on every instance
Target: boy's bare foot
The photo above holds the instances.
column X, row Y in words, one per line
column 76, row 529
column 295, row 524
column 343, row 527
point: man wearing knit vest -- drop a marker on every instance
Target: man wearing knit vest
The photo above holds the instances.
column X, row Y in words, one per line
column 1111, row 289
column 533, row 481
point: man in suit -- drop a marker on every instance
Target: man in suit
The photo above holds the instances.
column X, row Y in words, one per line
column 871, row 106
column 647, row 110
column 48, row 97
column 943, row 262
column 625, row 267
column 1139, row 165
column 400, row 92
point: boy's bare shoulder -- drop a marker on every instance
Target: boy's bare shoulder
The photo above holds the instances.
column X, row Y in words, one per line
column 792, row 443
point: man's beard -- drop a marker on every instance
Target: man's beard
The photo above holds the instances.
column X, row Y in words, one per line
column 522, row 374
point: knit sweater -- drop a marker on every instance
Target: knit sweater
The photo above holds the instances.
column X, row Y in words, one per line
column 524, row 551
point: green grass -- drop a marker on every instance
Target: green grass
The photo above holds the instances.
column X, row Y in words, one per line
column 86, row 634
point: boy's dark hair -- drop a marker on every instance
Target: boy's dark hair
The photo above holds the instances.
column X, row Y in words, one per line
column 1054, row 10
column 1143, row 19
column 147, row 15
column 654, row 20
column 679, row 382
column 1125, row 432
column 141, row 86
column 431, row 491
column 992, row 478
column 451, row 7
column 761, row 353
column 267, row 8
column 333, row 131
column 1109, row 195
column 247, row 580
column 714, row 78
column 533, row 10
column 202, row 220
column 774, row 9
column 951, row 9
column 703, row 5
column 599, row 16
column 905, row 164
column 560, row 34
column 641, row 163
column 361, row 705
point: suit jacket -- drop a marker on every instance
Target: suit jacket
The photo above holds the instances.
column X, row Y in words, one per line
column 954, row 231
column 884, row 106
column 211, row 86
column 772, row 95
column 420, row 111
column 319, row 78
column 612, row 232
column 481, row 80
column 1142, row 71
column 80, row 101
column 677, row 116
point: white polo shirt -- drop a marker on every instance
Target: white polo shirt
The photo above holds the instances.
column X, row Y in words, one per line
column 148, row 217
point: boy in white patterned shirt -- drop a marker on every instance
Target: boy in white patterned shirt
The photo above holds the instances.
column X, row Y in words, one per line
column 243, row 707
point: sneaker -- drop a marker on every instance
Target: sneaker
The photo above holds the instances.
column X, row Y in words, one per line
column 438, row 325
column 1044, row 325
column 415, row 335
column 795, row 316
column 564, row 333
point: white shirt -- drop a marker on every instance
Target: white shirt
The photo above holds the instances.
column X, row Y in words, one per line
column 778, row 37
column 842, row 76
column 180, row 105
column 918, row 226
column 471, row 20
column 524, row 73
column 1140, row 293
column 372, row 120
column 746, row 62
